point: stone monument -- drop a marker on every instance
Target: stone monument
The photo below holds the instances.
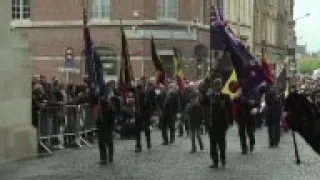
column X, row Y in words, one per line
column 17, row 136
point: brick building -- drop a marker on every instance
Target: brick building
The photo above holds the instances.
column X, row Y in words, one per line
column 52, row 26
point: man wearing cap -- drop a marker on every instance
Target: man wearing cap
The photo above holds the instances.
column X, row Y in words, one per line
column 220, row 105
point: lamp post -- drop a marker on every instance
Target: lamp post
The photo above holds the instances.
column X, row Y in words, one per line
column 291, row 50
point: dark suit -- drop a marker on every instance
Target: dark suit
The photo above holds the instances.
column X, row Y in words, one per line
column 247, row 122
column 274, row 113
column 170, row 110
column 105, row 127
column 195, row 116
column 218, row 125
column 145, row 106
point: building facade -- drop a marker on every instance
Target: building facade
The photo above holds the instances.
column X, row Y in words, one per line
column 240, row 14
column 55, row 32
column 273, row 28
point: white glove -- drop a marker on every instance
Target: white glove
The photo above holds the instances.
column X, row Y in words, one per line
column 209, row 92
column 254, row 111
column 178, row 115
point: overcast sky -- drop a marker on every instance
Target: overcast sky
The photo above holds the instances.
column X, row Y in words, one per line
column 308, row 29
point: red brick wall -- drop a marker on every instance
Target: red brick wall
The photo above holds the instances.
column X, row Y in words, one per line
column 52, row 41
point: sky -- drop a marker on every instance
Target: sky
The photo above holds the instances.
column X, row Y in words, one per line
column 308, row 29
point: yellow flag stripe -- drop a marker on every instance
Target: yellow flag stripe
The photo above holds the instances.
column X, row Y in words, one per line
column 226, row 90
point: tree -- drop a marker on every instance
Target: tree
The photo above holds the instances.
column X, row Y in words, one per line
column 307, row 66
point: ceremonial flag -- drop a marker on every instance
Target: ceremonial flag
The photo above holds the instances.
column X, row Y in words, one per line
column 126, row 73
column 232, row 86
column 95, row 71
column 179, row 69
column 249, row 72
column 94, row 65
column 161, row 73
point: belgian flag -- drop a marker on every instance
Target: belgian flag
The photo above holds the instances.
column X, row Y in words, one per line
column 179, row 69
column 161, row 73
column 232, row 86
column 126, row 73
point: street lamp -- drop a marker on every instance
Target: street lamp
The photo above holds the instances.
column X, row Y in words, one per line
column 302, row 17
column 291, row 50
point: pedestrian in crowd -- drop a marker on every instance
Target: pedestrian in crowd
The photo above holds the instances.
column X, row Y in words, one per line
column 105, row 127
column 273, row 118
column 247, row 113
column 169, row 115
column 220, row 107
column 195, row 116
column 145, row 106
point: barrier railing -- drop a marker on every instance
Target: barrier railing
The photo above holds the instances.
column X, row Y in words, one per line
column 65, row 125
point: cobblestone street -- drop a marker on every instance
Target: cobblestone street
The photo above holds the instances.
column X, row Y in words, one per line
column 171, row 162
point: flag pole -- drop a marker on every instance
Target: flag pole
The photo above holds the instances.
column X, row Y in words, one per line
column 296, row 152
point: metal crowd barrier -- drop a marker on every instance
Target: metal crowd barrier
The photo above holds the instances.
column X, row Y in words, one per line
column 64, row 125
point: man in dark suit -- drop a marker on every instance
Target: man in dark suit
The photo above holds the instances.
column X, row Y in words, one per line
column 105, row 127
column 145, row 103
column 274, row 113
column 248, row 110
column 170, row 110
column 220, row 105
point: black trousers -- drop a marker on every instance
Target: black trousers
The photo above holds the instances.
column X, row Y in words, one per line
column 196, row 133
column 183, row 127
column 217, row 143
column 143, row 126
column 274, row 133
column 105, row 142
column 168, row 125
column 247, row 128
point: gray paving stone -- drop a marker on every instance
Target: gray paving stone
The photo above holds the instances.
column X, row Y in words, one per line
column 172, row 162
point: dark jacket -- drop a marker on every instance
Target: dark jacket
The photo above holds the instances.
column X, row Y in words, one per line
column 171, row 106
column 145, row 102
column 195, row 115
column 274, row 107
column 108, row 115
column 221, row 109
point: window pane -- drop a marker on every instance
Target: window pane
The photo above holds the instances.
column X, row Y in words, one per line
column 105, row 11
column 26, row 9
column 26, row 15
column 16, row 2
column 17, row 15
column 105, row 2
column 26, row 2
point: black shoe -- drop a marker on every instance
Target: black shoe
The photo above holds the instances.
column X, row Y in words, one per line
column 214, row 166
column 251, row 148
column 103, row 162
column 171, row 141
column 138, row 150
column 201, row 148
column 223, row 163
column 244, row 152
column 149, row 146
column 110, row 159
column 165, row 143
column 193, row 151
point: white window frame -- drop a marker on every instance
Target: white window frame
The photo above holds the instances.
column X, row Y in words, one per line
column 21, row 11
column 164, row 11
column 100, row 9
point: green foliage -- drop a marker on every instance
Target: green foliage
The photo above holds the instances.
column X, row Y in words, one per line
column 307, row 66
